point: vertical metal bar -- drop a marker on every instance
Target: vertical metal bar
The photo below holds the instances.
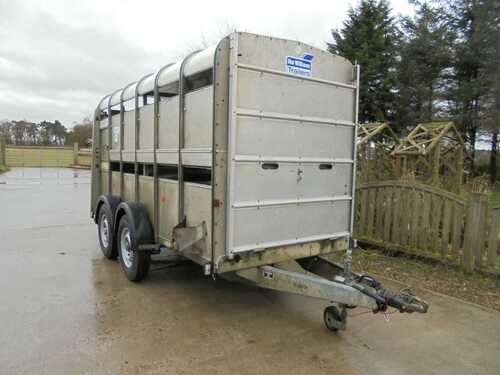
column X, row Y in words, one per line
column 180, row 168
column 122, row 136
column 231, row 147
column 137, row 134
column 109, row 143
column 122, row 127
column 215, row 85
column 136, row 143
column 96, row 157
column 348, row 255
column 156, row 145
column 354, row 156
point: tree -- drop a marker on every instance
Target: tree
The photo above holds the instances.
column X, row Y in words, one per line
column 81, row 133
column 60, row 132
column 477, row 56
column 20, row 131
column 490, row 16
column 370, row 37
column 426, row 52
column 495, row 124
column 6, row 130
column 32, row 133
column 52, row 133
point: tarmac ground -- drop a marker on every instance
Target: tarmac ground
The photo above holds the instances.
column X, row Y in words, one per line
column 66, row 309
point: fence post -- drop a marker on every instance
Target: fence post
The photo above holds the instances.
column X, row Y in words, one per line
column 493, row 236
column 474, row 240
column 3, row 156
column 436, row 165
column 75, row 153
column 480, row 247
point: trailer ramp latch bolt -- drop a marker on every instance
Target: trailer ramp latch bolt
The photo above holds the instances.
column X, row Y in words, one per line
column 299, row 174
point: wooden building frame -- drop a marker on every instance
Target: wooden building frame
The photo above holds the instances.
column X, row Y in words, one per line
column 434, row 153
column 375, row 143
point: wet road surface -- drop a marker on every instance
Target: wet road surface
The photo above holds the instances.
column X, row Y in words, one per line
column 66, row 310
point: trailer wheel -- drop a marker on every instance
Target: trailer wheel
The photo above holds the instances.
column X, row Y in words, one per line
column 334, row 319
column 134, row 263
column 105, row 231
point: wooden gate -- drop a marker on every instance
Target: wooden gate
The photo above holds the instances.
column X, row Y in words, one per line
column 44, row 156
column 34, row 156
column 427, row 221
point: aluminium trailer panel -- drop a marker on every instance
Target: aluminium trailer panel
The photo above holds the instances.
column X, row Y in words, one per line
column 291, row 139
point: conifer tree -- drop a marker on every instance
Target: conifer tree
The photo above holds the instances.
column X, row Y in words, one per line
column 474, row 94
column 426, row 52
column 370, row 37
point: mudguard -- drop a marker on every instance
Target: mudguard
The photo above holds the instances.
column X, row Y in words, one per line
column 112, row 201
column 139, row 220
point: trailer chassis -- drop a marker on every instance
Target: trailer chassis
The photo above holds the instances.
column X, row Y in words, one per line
column 333, row 282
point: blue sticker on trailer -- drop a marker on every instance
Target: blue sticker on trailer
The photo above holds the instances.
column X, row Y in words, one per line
column 299, row 65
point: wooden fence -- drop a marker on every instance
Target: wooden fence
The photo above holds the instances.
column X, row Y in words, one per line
column 44, row 156
column 428, row 221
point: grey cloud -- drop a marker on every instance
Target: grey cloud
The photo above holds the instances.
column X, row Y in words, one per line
column 59, row 57
column 51, row 70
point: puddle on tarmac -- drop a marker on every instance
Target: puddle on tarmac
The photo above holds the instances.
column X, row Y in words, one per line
column 45, row 176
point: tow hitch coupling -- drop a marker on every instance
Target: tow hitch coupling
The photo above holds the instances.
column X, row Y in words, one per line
column 404, row 301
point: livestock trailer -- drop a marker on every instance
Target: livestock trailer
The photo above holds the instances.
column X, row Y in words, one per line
column 241, row 158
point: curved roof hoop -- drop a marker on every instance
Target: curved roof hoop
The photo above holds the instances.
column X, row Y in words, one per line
column 157, row 77
column 122, row 109
column 111, row 97
column 139, row 84
column 181, row 70
column 136, row 95
column 124, row 89
column 111, row 115
column 98, row 108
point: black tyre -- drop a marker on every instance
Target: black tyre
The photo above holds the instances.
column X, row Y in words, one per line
column 105, row 231
column 334, row 319
column 134, row 263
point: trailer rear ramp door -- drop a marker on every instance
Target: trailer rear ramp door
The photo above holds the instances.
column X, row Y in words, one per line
column 292, row 114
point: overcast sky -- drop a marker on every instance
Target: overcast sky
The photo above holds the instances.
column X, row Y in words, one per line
column 59, row 57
